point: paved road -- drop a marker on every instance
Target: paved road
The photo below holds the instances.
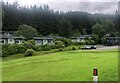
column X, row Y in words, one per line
column 106, row 47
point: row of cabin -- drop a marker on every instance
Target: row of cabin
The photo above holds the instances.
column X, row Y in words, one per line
column 81, row 38
column 7, row 37
column 43, row 41
column 112, row 41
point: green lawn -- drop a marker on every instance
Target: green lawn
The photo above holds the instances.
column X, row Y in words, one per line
column 67, row 65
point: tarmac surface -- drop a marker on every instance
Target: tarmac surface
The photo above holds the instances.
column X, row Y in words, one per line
column 107, row 47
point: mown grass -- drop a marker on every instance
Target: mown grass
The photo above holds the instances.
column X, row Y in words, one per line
column 66, row 65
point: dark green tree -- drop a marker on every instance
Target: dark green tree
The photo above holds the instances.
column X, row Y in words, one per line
column 65, row 27
column 27, row 31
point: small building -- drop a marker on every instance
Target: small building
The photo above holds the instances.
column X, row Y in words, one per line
column 7, row 37
column 6, row 33
column 87, row 36
column 81, row 38
column 11, row 40
column 77, row 39
column 43, row 40
column 112, row 40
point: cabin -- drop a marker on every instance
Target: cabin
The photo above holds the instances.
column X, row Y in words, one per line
column 112, row 41
column 6, row 33
column 43, row 40
column 77, row 39
column 81, row 38
column 11, row 40
column 7, row 37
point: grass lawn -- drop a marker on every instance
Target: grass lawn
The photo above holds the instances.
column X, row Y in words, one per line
column 66, row 65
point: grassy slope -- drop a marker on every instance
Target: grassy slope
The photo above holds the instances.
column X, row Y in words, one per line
column 69, row 65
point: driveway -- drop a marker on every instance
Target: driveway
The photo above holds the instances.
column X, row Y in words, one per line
column 107, row 47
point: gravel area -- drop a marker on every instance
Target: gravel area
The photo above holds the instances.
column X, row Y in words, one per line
column 106, row 47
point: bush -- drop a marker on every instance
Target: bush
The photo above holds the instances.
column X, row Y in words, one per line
column 61, row 49
column 5, row 51
column 82, row 43
column 31, row 41
column 54, row 50
column 74, row 48
column 79, row 43
column 66, row 41
column 28, row 45
column 21, row 48
column 103, row 40
column 29, row 52
column 59, row 44
column 96, row 39
column 67, row 48
column 46, row 47
column 87, row 42
column 10, row 49
column 53, row 46
column 37, row 48
column 92, row 42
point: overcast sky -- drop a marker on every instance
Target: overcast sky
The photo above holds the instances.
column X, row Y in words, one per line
column 91, row 6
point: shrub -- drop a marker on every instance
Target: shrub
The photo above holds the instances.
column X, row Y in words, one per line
column 54, row 50
column 61, row 49
column 59, row 44
column 79, row 43
column 10, row 49
column 21, row 48
column 103, row 40
column 53, row 46
column 87, row 42
column 66, row 41
column 31, row 41
column 28, row 45
column 5, row 51
column 67, row 48
column 29, row 52
column 5, row 45
column 37, row 48
column 96, row 39
column 92, row 42
column 82, row 43
column 46, row 47
column 74, row 48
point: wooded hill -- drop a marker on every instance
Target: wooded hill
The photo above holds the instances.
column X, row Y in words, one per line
column 47, row 21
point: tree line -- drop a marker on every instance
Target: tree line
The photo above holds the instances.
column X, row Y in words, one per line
column 47, row 21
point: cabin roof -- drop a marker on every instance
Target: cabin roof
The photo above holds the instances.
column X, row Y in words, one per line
column 82, row 36
column 7, row 31
column 113, row 37
column 12, row 37
column 37, row 38
column 78, row 37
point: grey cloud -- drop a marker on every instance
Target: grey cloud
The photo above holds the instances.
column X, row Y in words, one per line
column 92, row 7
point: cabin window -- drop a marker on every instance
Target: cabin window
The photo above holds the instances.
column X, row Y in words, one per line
column 2, row 41
column 16, row 41
column 10, row 39
column 38, row 41
column 45, row 40
column 49, row 41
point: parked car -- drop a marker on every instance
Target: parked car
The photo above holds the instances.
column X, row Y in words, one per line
column 89, row 47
